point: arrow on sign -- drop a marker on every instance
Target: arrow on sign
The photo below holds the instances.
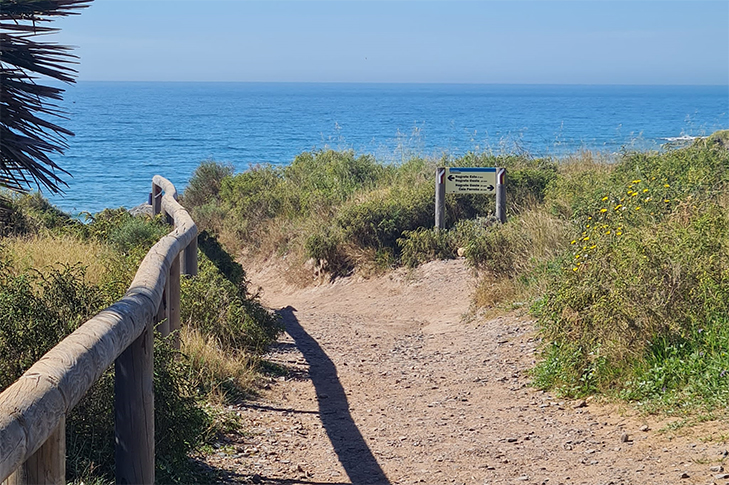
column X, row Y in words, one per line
column 450, row 177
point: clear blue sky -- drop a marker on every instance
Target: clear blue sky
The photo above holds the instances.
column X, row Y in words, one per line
column 580, row 42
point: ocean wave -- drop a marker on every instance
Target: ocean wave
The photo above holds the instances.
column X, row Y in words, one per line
column 680, row 138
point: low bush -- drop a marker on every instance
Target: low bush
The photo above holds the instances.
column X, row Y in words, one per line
column 39, row 307
column 205, row 184
column 223, row 310
column 347, row 211
column 637, row 307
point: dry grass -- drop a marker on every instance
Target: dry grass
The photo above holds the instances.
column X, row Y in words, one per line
column 493, row 292
column 47, row 252
column 532, row 239
column 587, row 161
column 217, row 372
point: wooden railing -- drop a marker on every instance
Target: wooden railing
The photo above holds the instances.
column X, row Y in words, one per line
column 33, row 410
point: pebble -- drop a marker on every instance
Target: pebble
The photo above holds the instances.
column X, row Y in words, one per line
column 624, row 438
column 579, row 404
column 644, row 428
column 685, row 475
column 722, row 476
column 716, row 469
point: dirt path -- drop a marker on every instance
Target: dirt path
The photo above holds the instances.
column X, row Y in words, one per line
column 388, row 384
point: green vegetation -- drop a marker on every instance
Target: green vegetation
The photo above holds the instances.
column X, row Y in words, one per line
column 638, row 308
column 56, row 272
column 622, row 260
column 346, row 211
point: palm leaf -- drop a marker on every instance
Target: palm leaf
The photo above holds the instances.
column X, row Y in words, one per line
column 27, row 138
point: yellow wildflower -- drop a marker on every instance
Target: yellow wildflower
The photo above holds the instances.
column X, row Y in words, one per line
column 636, row 181
column 577, row 256
column 574, row 269
column 637, row 208
column 619, row 233
column 667, row 201
column 605, row 198
column 603, row 210
column 573, row 241
column 645, row 190
column 608, row 232
column 618, row 206
column 586, row 238
column 666, row 186
column 593, row 246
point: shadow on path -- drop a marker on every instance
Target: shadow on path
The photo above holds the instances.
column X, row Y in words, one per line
column 349, row 445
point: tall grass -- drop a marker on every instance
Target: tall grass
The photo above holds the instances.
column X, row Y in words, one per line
column 345, row 211
column 622, row 259
column 56, row 273
column 638, row 307
column 45, row 253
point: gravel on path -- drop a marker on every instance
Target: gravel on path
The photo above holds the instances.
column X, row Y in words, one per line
column 388, row 383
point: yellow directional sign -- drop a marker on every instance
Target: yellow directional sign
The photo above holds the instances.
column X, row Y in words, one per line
column 470, row 180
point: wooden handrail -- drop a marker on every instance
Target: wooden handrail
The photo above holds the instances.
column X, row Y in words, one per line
column 34, row 407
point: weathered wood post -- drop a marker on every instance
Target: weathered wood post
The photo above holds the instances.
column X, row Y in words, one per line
column 161, row 319
column 47, row 465
column 440, row 198
column 501, row 195
column 134, row 411
column 156, row 199
column 173, row 310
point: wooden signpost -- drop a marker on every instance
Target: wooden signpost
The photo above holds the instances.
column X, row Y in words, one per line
column 469, row 180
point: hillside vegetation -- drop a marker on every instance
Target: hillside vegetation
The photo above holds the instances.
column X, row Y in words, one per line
column 622, row 260
column 56, row 272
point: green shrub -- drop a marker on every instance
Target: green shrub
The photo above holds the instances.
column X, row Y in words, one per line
column 319, row 180
column 327, row 248
column 22, row 214
column 423, row 245
column 124, row 231
column 37, row 311
column 90, row 426
column 379, row 220
column 253, row 195
column 205, row 184
column 223, row 310
column 638, row 308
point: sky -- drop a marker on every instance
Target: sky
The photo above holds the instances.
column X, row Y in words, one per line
column 406, row 41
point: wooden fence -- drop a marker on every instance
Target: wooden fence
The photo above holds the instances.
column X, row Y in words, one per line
column 33, row 409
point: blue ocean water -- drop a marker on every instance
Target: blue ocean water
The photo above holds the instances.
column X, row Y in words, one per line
column 127, row 132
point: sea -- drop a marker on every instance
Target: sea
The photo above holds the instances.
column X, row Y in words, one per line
column 126, row 132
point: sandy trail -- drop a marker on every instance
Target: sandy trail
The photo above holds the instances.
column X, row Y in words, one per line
column 387, row 384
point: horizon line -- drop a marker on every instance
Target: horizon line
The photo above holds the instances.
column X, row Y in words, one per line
column 425, row 83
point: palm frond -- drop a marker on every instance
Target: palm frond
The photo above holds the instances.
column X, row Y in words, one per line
column 27, row 138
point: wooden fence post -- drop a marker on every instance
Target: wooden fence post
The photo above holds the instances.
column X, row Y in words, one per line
column 47, row 465
column 134, row 411
column 156, row 199
column 189, row 261
column 163, row 315
column 440, row 198
column 173, row 311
